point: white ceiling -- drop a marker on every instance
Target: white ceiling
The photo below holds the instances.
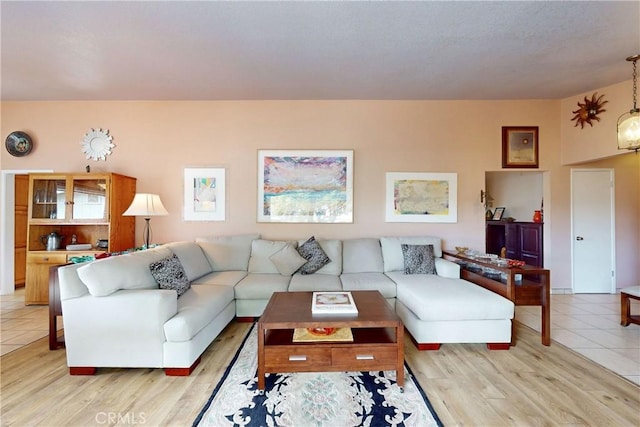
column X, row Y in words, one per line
column 205, row 50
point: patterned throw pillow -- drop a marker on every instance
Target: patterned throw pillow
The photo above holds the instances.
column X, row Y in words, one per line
column 315, row 256
column 418, row 259
column 170, row 274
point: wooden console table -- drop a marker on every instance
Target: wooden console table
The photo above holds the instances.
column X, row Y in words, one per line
column 533, row 288
column 55, row 309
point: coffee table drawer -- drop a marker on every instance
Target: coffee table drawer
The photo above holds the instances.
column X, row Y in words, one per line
column 364, row 357
column 296, row 357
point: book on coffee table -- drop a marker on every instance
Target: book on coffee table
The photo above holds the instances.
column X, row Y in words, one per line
column 333, row 303
column 322, row 334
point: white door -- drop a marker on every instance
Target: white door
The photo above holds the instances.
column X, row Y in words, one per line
column 593, row 224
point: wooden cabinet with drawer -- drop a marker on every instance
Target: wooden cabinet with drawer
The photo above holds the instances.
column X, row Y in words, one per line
column 38, row 264
column 78, row 209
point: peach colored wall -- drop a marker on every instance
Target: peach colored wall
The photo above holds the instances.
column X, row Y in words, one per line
column 596, row 147
column 581, row 144
column 155, row 141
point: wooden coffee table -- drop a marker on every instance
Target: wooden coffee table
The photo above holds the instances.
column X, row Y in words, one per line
column 378, row 337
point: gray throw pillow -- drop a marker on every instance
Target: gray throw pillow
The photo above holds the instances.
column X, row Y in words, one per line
column 170, row 274
column 315, row 256
column 287, row 260
column 418, row 259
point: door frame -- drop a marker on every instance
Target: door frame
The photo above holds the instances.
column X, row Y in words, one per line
column 612, row 225
column 7, row 224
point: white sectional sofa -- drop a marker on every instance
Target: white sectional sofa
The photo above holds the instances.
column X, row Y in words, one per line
column 117, row 315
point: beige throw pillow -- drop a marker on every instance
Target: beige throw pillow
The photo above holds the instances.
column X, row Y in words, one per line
column 287, row 260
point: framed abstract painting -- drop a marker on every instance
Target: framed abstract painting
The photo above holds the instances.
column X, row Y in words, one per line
column 305, row 186
column 520, row 147
column 204, row 194
column 421, row 197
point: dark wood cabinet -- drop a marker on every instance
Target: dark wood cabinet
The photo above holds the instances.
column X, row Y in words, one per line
column 522, row 240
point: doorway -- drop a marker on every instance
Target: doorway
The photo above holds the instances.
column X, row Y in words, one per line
column 7, row 224
column 592, row 231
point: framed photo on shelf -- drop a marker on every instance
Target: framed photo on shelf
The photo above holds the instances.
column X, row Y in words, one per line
column 300, row 186
column 497, row 214
column 204, row 194
column 520, row 147
column 421, row 197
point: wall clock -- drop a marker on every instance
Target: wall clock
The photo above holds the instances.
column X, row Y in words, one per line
column 589, row 110
column 97, row 145
column 18, row 144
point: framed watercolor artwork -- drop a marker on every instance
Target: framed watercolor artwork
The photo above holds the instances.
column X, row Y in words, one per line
column 204, row 194
column 520, row 147
column 421, row 197
column 298, row 186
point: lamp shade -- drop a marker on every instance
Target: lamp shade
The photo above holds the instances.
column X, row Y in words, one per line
column 629, row 130
column 146, row 205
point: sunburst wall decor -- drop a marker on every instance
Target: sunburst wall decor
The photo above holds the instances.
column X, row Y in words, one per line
column 589, row 110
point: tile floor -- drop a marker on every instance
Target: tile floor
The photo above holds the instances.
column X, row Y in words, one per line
column 587, row 323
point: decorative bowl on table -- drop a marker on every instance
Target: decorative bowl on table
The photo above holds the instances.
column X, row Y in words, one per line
column 462, row 249
column 515, row 263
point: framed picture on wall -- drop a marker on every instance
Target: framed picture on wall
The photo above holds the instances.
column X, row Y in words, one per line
column 298, row 186
column 421, row 197
column 520, row 147
column 204, row 194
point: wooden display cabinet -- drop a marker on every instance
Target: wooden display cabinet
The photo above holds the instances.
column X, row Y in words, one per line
column 89, row 206
column 522, row 240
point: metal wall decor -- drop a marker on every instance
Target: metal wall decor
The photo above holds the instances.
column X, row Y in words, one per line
column 589, row 110
column 96, row 144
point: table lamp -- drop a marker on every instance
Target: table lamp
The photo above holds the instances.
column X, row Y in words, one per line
column 146, row 205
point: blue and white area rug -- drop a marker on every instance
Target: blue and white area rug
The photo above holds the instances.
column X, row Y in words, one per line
column 333, row 399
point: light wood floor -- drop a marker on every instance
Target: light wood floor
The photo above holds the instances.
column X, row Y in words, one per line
column 528, row 385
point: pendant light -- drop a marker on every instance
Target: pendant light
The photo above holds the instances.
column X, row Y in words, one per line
column 629, row 123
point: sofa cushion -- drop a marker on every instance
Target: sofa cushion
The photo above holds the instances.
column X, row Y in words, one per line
column 287, row 260
column 261, row 252
column 261, row 286
column 418, row 259
column 131, row 271
column 314, row 254
column 196, row 309
column 224, row 278
column 169, row 274
column 228, row 252
column 362, row 256
column 369, row 282
column 392, row 251
column 432, row 297
column 192, row 258
column 315, row 282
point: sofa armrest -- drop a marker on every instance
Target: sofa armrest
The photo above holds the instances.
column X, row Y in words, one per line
column 124, row 329
column 446, row 268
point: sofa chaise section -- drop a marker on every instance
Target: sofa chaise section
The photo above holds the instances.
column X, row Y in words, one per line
column 442, row 308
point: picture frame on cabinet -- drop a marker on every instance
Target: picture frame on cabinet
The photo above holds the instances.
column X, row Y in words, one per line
column 305, row 186
column 421, row 197
column 520, row 147
column 204, row 194
column 497, row 214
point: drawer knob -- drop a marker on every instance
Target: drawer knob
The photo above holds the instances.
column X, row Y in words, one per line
column 295, row 358
column 365, row 357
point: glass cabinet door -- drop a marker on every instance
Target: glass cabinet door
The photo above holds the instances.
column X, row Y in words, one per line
column 89, row 198
column 49, row 199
